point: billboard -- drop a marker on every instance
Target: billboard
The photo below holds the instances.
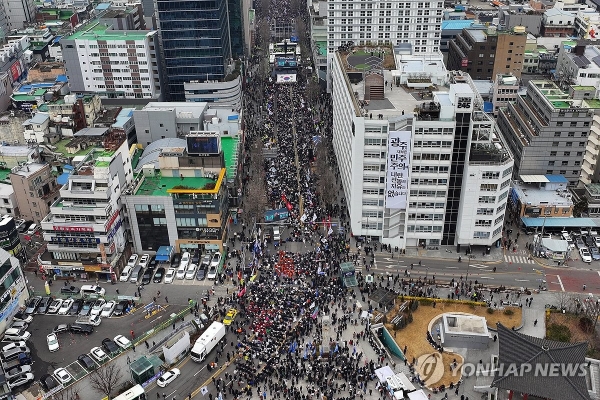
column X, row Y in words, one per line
column 203, row 143
column 398, row 167
column 15, row 71
column 464, row 62
column 287, row 78
column 277, row 215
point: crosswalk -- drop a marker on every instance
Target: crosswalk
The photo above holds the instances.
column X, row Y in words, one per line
column 516, row 259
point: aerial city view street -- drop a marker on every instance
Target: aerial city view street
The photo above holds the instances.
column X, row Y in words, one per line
column 277, row 199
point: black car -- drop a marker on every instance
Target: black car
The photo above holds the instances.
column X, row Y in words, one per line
column 152, row 263
column 69, row 290
column 176, row 260
column 23, row 227
column 76, row 307
column 61, row 328
column 86, row 362
column 159, row 275
column 121, row 308
column 201, row 274
column 48, row 382
column 147, row 277
column 82, row 328
column 42, row 307
column 110, row 346
column 195, row 257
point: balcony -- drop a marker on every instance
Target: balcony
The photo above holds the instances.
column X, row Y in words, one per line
column 68, row 208
column 429, row 111
column 482, row 154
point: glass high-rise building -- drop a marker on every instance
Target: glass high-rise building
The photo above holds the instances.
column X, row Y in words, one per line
column 195, row 42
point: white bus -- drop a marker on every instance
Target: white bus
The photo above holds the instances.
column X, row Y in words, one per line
column 135, row 393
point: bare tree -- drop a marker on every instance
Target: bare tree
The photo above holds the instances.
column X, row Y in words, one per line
column 327, row 185
column 256, row 201
column 105, row 378
column 563, row 300
column 68, row 393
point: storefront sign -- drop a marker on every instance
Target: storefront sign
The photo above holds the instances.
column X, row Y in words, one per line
column 73, row 228
column 60, row 239
column 398, row 167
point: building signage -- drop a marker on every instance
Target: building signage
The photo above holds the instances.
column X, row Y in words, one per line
column 464, row 62
column 398, row 165
column 214, row 231
column 73, row 228
column 114, row 230
column 88, row 240
column 111, row 220
column 203, row 143
column 277, row 215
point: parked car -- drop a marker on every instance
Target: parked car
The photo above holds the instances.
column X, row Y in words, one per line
column 191, row 272
column 53, row 344
column 595, row 253
column 63, row 375
column 132, row 262
column 16, row 335
column 98, row 354
column 170, row 275
column 43, row 305
column 61, row 328
column 48, row 382
column 69, row 290
column 32, row 305
column 17, row 371
column 21, row 316
column 86, row 308
column 14, row 345
column 21, row 380
column 120, row 308
column 215, row 260
column 158, row 276
column 19, row 325
column 147, row 277
column 97, row 307
column 175, row 260
column 144, row 259
column 55, row 306
column 122, row 342
column 82, row 328
column 110, row 346
column 65, row 307
column 200, row 274
column 86, row 362
column 108, row 309
column 212, row 273
column 579, row 242
column 585, row 255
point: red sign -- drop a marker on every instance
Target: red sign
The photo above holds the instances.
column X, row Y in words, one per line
column 14, row 71
column 73, row 228
column 464, row 62
column 74, row 20
column 111, row 221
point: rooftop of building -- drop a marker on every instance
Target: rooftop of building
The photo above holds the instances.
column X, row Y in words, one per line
column 533, row 194
column 229, row 146
column 108, row 116
column 4, row 175
column 458, row 24
column 28, row 169
column 96, row 31
column 158, row 185
column 61, row 147
column 465, row 323
column 118, row 13
column 560, row 99
column 182, row 108
column 124, row 116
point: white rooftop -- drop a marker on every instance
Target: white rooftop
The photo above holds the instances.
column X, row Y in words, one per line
column 534, row 195
column 465, row 324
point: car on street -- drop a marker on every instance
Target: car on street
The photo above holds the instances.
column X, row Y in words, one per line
column 158, row 276
column 132, row 260
column 230, row 316
column 42, row 307
column 17, row 371
column 168, row 377
column 52, row 341
column 212, row 273
column 595, row 253
column 86, row 362
column 110, row 346
column 144, row 259
column 65, row 306
column 86, row 309
column 98, row 354
column 97, row 307
column 200, row 274
column 63, row 375
column 585, row 255
column 32, row 305
column 170, row 275
column 69, row 290
column 191, row 272
column 120, row 308
column 61, row 328
column 48, row 382
column 122, row 342
column 21, row 316
column 76, row 307
column 55, row 306
column 21, row 380
column 82, row 328
column 108, row 309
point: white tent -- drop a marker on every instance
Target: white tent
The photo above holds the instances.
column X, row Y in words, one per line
column 418, row 395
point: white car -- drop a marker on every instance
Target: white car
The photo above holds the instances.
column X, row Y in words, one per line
column 132, row 260
column 191, row 272
column 181, row 272
column 63, row 375
column 585, row 255
column 55, row 306
column 212, row 273
column 170, row 275
column 98, row 306
column 21, row 380
column 168, row 377
column 65, row 307
column 108, row 309
column 144, row 260
column 98, row 354
column 16, row 371
column 13, row 345
column 216, row 260
column 122, row 342
column 53, row 344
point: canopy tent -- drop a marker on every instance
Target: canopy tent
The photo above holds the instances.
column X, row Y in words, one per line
column 164, row 253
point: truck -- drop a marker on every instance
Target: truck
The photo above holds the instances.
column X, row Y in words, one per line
column 208, row 341
column 22, row 359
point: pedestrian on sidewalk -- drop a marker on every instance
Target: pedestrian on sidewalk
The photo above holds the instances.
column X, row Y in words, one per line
column 535, row 323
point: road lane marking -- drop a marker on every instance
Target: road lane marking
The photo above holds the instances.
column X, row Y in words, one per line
column 172, row 393
column 200, row 370
column 522, row 280
column 560, row 283
column 486, row 277
column 457, row 268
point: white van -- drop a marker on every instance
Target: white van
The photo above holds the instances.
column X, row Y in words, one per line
column 136, row 274
column 87, row 290
column 276, row 234
column 16, row 335
column 125, row 274
column 181, row 271
column 32, row 229
column 185, row 260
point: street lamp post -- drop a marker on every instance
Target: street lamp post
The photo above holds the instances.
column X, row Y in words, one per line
column 468, row 264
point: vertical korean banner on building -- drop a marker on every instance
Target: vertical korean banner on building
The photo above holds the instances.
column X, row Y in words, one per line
column 398, row 165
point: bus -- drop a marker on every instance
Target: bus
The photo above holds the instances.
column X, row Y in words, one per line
column 135, row 393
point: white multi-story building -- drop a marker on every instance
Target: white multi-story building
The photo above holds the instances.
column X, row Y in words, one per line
column 418, row 173
column 389, row 22
column 84, row 229
column 112, row 63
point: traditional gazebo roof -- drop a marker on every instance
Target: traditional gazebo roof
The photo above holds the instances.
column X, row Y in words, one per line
column 517, row 349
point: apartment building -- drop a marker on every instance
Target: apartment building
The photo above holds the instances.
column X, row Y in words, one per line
column 84, row 227
column 505, row 90
column 14, row 14
column 112, row 63
column 388, row 22
column 486, row 53
column 547, row 129
column 35, row 189
column 558, row 23
column 13, row 291
column 71, row 113
column 9, row 236
column 579, row 63
column 418, row 173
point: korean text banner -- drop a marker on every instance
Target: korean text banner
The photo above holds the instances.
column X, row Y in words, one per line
column 398, row 166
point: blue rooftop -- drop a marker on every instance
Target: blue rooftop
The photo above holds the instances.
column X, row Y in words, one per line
column 124, row 115
column 561, row 222
column 457, row 24
column 61, row 78
column 556, row 179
